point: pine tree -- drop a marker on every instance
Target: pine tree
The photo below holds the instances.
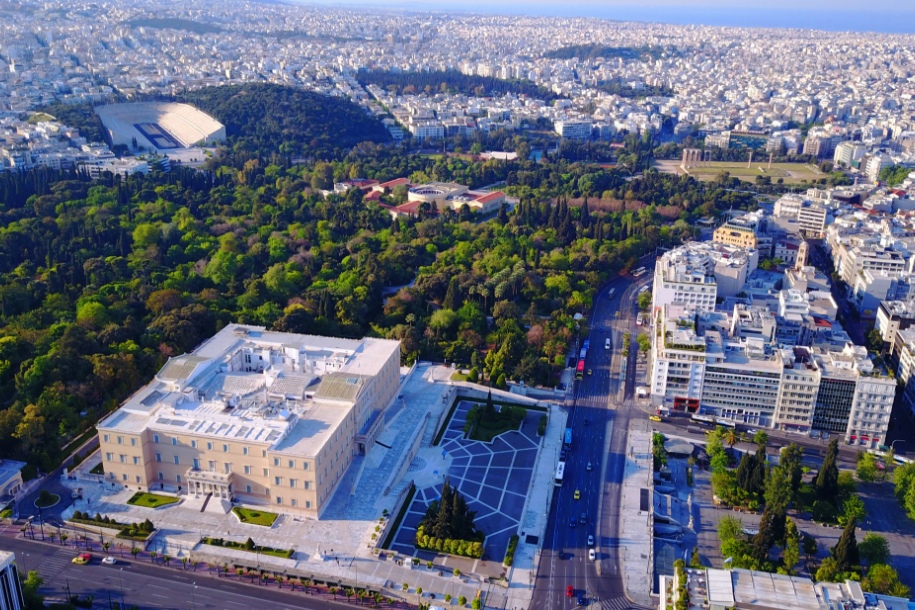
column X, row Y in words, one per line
column 846, row 550
column 489, row 411
column 765, row 537
column 826, row 485
column 743, row 470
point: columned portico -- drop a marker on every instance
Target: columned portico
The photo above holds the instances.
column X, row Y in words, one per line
column 202, row 482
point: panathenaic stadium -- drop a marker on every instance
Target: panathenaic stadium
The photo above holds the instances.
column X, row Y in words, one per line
column 160, row 126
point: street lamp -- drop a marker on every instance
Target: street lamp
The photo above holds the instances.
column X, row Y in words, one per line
column 893, row 444
column 194, row 596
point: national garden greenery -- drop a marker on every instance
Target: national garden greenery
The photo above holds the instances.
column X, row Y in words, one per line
column 102, row 281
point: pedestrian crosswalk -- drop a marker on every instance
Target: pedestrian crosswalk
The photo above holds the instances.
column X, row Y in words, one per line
column 617, row 603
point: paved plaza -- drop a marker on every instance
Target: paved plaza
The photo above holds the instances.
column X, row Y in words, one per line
column 494, row 478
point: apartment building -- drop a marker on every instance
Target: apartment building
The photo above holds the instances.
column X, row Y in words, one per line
column 10, row 586
column 811, row 220
column 852, row 259
column 737, row 232
column 678, row 360
column 697, row 273
column 574, row 130
column 848, row 154
column 797, row 398
column 262, row 417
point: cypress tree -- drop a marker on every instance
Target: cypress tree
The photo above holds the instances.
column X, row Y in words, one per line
column 444, row 519
column 826, row 485
column 765, row 537
column 585, row 214
column 453, row 297
column 846, row 550
column 743, row 470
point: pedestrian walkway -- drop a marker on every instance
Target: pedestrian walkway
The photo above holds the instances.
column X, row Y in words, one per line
column 635, row 542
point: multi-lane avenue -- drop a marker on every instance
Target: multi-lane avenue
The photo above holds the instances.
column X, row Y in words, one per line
column 599, row 432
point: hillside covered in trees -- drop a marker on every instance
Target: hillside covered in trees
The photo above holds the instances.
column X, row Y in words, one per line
column 452, row 81
column 264, row 119
column 101, row 282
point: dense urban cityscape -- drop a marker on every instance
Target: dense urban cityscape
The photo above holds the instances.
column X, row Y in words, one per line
column 310, row 307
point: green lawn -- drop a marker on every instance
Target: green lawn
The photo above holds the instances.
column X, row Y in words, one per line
column 149, row 500
column 98, row 469
column 458, row 376
column 255, row 517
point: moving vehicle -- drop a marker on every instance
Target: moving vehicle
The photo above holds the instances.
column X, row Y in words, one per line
column 580, row 369
column 589, row 467
column 655, row 418
column 82, row 558
column 567, row 440
column 606, row 343
column 589, row 371
column 570, row 591
column 560, row 473
column 577, row 495
column 109, row 561
column 571, row 521
column 584, row 519
column 592, row 555
column 590, row 540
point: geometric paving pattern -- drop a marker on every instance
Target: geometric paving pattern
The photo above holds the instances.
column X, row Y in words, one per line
column 493, row 477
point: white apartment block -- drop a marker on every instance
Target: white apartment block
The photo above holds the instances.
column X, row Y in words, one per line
column 849, row 153
column 697, row 273
column 851, row 260
column 811, row 220
column 797, row 398
column 678, row 360
column 574, row 130
column 262, row 417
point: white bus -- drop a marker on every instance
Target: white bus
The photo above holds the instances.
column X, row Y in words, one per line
column 643, row 289
column 560, row 472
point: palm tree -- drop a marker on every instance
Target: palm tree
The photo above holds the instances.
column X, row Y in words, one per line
column 134, row 551
column 348, row 593
column 63, row 539
column 419, row 595
column 184, row 563
column 731, row 437
column 106, row 545
column 51, row 536
column 152, row 556
column 196, row 563
column 166, row 559
column 333, row 591
column 279, row 580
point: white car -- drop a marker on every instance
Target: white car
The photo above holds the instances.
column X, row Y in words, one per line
column 109, row 561
column 589, row 466
column 590, row 540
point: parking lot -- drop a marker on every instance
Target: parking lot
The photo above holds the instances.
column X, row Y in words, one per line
column 493, row 477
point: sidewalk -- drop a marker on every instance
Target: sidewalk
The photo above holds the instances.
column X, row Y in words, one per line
column 636, row 534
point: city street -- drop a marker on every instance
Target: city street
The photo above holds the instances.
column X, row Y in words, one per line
column 140, row 583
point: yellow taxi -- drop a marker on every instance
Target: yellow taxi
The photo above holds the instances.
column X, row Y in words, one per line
column 82, row 558
column 577, row 495
column 655, row 418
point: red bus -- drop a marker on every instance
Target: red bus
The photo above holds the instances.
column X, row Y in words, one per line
column 580, row 369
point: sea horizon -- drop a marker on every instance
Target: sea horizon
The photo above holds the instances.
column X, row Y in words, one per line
column 859, row 21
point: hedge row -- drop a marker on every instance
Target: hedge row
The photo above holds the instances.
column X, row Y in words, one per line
column 510, row 551
column 464, row 548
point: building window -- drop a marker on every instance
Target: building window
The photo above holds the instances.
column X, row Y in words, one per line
column 211, row 465
column 263, row 453
column 225, row 448
column 109, row 457
column 266, row 472
column 247, row 489
column 161, row 476
column 178, row 478
column 105, row 437
column 133, row 442
column 307, row 484
column 193, row 444
column 155, row 438
column 120, row 440
column 292, row 482
column 247, row 470
column 123, row 458
column 124, row 477
column 196, row 464
column 136, row 461
column 307, row 503
column 176, row 460
column 138, row 478
column 279, row 500
column 305, row 465
column 276, row 480
column 292, row 463
column 228, row 467
column 244, row 451
column 276, row 461
column 174, row 440
column 294, row 502
column 209, row 446
column 158, row 457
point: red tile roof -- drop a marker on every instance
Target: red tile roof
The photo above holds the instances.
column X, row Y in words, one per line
column 490, row 197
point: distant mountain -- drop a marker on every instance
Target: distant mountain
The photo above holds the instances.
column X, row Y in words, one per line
column 264, row 119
